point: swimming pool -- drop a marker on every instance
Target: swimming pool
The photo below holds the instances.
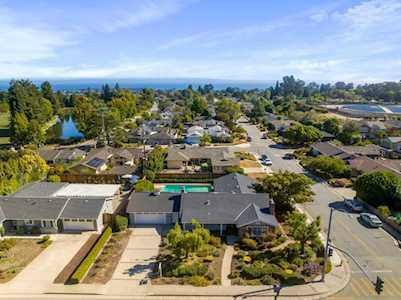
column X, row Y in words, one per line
column 177, row 188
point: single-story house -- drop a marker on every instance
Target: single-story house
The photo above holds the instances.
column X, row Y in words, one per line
column 161, row 138
column 183, row 157
column 370, row 150
column 234, row 183
column 369, row 129
column 393, row 143
column 251, row 214
column 329, row 149
column 53, row 214
column 365, row 164
column 153, row 208
column 109, row 192
column 55, row 156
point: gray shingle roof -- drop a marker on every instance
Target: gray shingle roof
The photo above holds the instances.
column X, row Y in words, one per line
column 218, row 156
column 15, row 208
column 254, row 213
column 327, row 148
column 150, row 202
column 39, row 189
column 218, row 208
column 83, row 208
column 233, row 183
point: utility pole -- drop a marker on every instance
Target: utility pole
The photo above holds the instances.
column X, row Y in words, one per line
column 326, row 250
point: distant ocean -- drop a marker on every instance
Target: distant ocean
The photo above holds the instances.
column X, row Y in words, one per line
column 135, row 84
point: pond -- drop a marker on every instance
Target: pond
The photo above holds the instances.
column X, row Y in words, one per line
column 65, row 129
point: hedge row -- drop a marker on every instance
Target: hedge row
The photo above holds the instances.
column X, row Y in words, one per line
column 84, row 266
column 183, row 180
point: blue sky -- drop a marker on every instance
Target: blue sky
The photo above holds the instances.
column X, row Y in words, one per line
column 224, row 39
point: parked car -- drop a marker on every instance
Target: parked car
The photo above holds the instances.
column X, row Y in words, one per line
column 263, row 157
column 353, row 205
column 266, row 161
column 371, row 220
column 289, row 156
column 249, row 139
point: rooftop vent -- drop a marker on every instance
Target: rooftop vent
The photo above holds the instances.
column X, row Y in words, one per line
column 207, row 202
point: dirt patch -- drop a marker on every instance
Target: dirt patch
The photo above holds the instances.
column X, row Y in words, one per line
column 15, row 259
column 66, row 273
column 256, row 175
column 249, row 164
column 105, row 265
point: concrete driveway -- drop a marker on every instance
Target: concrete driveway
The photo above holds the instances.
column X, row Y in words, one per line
column 41, row 272
column 139, row 257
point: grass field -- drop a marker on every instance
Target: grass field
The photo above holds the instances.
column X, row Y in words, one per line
column 4, row 130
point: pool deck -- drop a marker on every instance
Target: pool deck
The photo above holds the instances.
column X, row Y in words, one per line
column 160, row 185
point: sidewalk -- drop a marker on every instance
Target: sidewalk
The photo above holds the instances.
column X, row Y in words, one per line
column 226, row 266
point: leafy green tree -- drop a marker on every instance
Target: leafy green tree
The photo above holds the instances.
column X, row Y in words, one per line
column 286, row 189
column 350, row 133
column 328, row 167
column 156, row 159
column 118, row 137
column 228, row 111
column 205, row 140
column 47, row 93
column 378, row 188
column 125, row 102
column 145, row 100
column 144, row 185
column 87, row 117
column 332, row 126
column 302, row 134
column 301, row 231
column 107, row 93
column 199, row 106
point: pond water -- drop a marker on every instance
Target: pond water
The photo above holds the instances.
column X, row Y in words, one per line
column 64, row 129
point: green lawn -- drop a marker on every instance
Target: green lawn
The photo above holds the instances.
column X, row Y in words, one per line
column 4, row 130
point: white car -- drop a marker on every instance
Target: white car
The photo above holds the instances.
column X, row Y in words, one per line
column 371, row 220
column 353, row 205
column 267, row 162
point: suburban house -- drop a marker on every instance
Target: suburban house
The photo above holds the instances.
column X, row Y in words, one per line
column 249, row 213
column 215, row 129
column 154, row 132
column 108, row 160
column 59, row 156
column 347, row 152
column 190, row 158
column 281, row 125
column 369, row 129
column 234, row 183
column 365, row 164
column 393, row 143
column 57, row 207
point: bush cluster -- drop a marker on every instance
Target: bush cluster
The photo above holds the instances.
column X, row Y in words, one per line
column 195, row 269
column 120, row 223
column 84, row 266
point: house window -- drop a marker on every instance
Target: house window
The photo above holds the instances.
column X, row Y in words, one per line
column 256, row 231
column 88, row 220
column 67, row 220
column 73, row 220
column 29, row 222
column 81, row 220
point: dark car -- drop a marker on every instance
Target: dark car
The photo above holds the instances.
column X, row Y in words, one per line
column 249, row 139
column 353, row 205
column 289, row 156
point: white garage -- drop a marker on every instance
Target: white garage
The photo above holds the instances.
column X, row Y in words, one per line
column 149, row 218
column 79, row 224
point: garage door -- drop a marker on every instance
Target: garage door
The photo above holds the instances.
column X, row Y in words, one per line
column 150, row 218
column 78, row 224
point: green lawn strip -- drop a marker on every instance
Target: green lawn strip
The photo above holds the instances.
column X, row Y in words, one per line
column 84, row 266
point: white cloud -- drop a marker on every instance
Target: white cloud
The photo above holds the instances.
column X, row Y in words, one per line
column 21, row 44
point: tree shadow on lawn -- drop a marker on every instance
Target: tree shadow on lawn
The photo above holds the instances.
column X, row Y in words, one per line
column 139, row 268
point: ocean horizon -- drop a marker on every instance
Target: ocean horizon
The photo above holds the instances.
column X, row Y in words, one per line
column 140, row 83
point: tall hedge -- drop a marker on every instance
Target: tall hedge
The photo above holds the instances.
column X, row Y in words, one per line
column 84, row 266
column 378, row 188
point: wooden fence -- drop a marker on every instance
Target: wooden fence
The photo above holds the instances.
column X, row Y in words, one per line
column 91, row 178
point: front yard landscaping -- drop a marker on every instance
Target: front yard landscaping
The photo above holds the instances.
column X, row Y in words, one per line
column 104, row 266
column 289, row 258
column 194, row 257
column 16, row 254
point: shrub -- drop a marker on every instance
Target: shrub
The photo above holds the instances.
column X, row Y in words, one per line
column 268, row 280
column 269, row 236
column 249, row 243
column 144, row 185
column 149, row 174
column 195, row 269
column 84, row 266
column 198, row 281
column 384, row 211
column 53, row 178
column 7, row 244
column 210, row 275
column 215, row 241
column 120, row 223
column 35, row 230
column 233, row 275
column 247, row 259
column 235, row 169
column 257, row 269
column 20, row 230
column 2, row 231
column 208, row 258
column 206, row 250
column 44, row 239
column 328, row 167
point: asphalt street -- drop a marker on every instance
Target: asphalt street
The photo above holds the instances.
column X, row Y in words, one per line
column 374, row 249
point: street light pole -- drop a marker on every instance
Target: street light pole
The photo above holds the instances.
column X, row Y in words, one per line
column 326, row 250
